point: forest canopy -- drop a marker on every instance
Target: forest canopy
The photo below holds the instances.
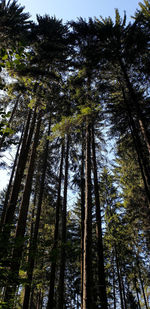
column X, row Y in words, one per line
column 75, row 117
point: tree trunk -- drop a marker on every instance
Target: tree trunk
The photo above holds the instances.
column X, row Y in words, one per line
column 142, row 285
column 87, row 267
column 51, row 304
column 137, row 107
column 2, row 139
column 63, row 240
column 16, row 186
column 33, row 246
column 137, row 293
column 114, row 287
column 100, row 250
column 123, row 289
column 82, row 216
column 21, row 226
column 119, row 279
column 10, row 185
column 143, row 164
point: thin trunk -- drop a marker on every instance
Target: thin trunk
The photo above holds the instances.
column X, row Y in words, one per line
column 2, row 139
column 143, row 164
column 21, row 226
column 119, row 279
column 16, row 186
column 100, row 250
column 114, row 287
column 136, row 105
column 51, row 304
column 10, row 185
column 87, row 267
column 123, row 290
column 63, row 239
column 142, row 285
column 82, row 216
column 137, row 292
column 33, row 246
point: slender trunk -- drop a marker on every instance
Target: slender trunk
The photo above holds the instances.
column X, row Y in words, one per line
column 2, row 139
column 142, row 285
column 143, row 164
column 123, row 290
column 16, row 186
column 87, row 269
column 136, row 105
column 137, row 293
column 33, row 246
column 10, row 185
column 119, row 279
column 82, row 216
column 114, row 287
column 21, row 226
column 63, row 246
column 51, row 304
column 101, row 271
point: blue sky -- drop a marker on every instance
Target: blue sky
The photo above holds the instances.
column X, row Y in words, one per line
column 71, row 9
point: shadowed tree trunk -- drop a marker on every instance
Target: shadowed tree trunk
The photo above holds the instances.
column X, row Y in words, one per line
column 16, row 185
column 2, row 139
column 51, row 304
column 21, row 226
column 142, row 285
column 87, row 267
column 33, row 246
column 137, row 107
column 63, row 239
column 10, row 185
column 100, row 254
column 137, row 292
column 143, row 164
column 119, row 278
column 82, row 215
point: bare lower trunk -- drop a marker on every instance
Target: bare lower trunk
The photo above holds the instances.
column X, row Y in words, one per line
column 9, row 186
column 21, row 226
column 87, row 267
column 137, row 292
column 119, row 279
column 51, row 304
column 16, row 186
column 142, row 285
column 33, row 246
column 61, row 287
column 101, row 271
column 82, row 217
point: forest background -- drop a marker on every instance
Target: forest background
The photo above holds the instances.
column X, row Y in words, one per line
column 68, row 89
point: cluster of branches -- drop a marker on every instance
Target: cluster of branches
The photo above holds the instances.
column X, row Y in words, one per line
column 66, row 90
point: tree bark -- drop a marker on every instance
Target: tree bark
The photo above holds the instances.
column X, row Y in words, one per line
column 10, row 185
column 136, row 105
column 82, row 216
column 100, row 250
column 51, row 303
column 143, row 164
column 142, row 285
column 61, row 287
column 33, row 246
column 119, row 279
column 16, row 186
column 21, row 226
column 87, row 269
column 2, row 139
